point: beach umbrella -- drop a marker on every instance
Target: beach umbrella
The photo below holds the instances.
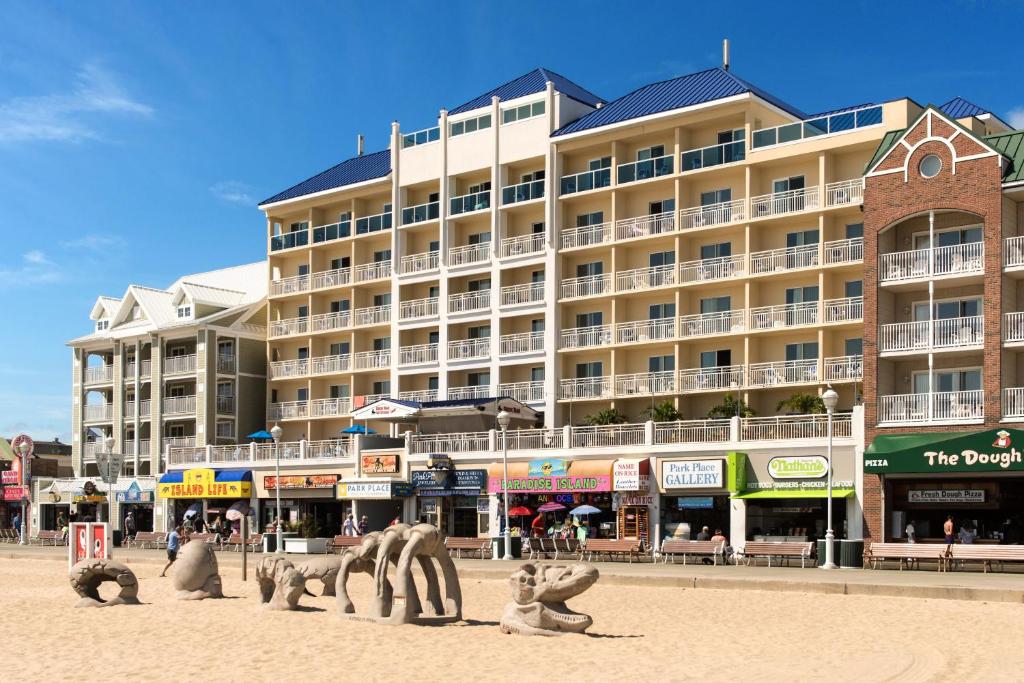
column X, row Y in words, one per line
column 193, row 509
column 262, row 434
column 237, row 511
column 585, row 510
column 358, row 429
column 551, row 507
column 520, row 511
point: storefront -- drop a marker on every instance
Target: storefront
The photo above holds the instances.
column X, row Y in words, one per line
column 205, row 492
column 138, row 500
column 632, row 499
column 451, row 499
column 381, row 499
column 308, row 499
column 10, row 501
column 695, row 492
column 975, row 477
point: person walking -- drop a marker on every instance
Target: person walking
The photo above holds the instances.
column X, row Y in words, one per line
column 364, row 525
column 130, row 527
column 911, row 532
column 349, row 527
column 173, row 543
column 16, row 521
column 947, row 530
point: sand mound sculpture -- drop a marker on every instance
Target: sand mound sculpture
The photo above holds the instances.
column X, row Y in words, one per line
column 195, row 575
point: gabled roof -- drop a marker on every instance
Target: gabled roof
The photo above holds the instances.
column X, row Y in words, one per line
column 891, row 138
column 959, row 108
column 105, row 307
column 528, row 84
column 677, row 93
column 212, row 296
column 349, row 172
column 1011, row 146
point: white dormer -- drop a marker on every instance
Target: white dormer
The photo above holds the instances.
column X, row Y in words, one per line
column 103, row 311
column 185, row 311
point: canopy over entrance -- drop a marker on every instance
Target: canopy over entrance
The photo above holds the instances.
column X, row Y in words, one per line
column 466, row 415
column 993, row 450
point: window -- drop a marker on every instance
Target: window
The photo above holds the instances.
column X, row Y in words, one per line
column 224, row 389
column 786, row 184
column 338, row 391
column 382, row 387
column 854, row 230
column 598, row 164
column 661, row 364
column 433, row 383
column 469, row 125
column 716, row 196
column 303, row 353
column 950, row 238
column 930, row 166
column 664, row 206
column 339, row 263
column 340, row 305
column 853, row 288
column 302, row 394
column 480, row 238
column 716, row 359
column 303, row 269
column 661, row 258
column 802, row 351
column 537, row 374
column 537, row 229
column 479, row 285
column 589, row 319
column 650, row 153
column 479, row 332
column 435, row 245
column 480, row 187
column 102, row 325
column 525, row 111
column 945, row 310
column 716, row 304
column 585, row 370
column 854, row 347
column 659, row 311
column 537, row 325
column 434, row 291
column 727, row 136
column 175, row 391
column 590, row 269
column 433, row 337
column 587, row 219
column 382, row 344
column 721, row 250
column 530, row 177
column 381, row 256
column 340, row 348
column 184, row 311
column 478, row 379
column 799, row 295
column 298, row 227
column 802, row 238
column 537, row 276
column 176, row 431
column 382, row 299
column 965, row 379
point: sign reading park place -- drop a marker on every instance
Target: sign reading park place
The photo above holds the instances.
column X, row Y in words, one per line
column 692, row 474
column 798, row 467
column 301, row 481
column 988, row 451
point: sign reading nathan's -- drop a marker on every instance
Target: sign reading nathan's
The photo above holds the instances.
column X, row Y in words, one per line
column 989, row 451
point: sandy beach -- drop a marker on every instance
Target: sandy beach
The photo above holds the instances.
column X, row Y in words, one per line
column 638, row 634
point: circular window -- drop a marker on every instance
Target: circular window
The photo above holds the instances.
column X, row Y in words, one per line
column 930, row 166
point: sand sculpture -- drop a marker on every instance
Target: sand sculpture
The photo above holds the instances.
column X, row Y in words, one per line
column 195, row 574
column 539, row 592
column 87, row 575
column 400, row 603
column 325, row 568
column 280, row 583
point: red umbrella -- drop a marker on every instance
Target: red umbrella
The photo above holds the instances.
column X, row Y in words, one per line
column 520, row 511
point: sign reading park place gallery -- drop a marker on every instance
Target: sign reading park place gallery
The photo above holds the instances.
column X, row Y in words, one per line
column 989, row 451
column 692, row 474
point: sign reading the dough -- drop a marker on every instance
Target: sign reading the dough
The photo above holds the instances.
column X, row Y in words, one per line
column 999, row 450
column 692, row 474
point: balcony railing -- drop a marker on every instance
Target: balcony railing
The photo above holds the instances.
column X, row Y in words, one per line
column 378, row 270
column 463, row 393
column 421, row 137
column 524, row 392
column 417, row 354
column 709, row 269
column 1013, row 402
column 646, row 383
column 420, row 213
column 331, row 365
column 522, row 245
column 714, row 155
column 226, row 405
column 469, row 253
column 226, row 363
column 418, row 308
column 944, row 406
column 523, row 192
column 529, row 293
column 645, row 278
column 419, row 263
column 289, row 240
column 283, row 369
column 375, row 223
column 179, row 405
column 844, row 369
column 784, row 315
column 288, row 410
column 782, row 203
column 646, row 169
column 640, row 331
column 332, row 231
column 459, row 442
column 824, row 125
column 372, row 315
column 789, row 427
column 289, row 285
column 1013, row 252
column 645, row 226
column 99, row 411
column 330, row 407
column 787, row 258
column 590, row 285
column 525, row 342
column 921, row 263
column 710, row 215
column 1013, row 327
column 782, row 372
column 327, row 279
column 691, row 431
column 179, row 365
column 844, row 310
column 844, row 192
column 475, row 201
column 465, row 302
column 178, row 442
column 372, row 360
column 945, row 333
column 281, row 328
column 608, row 436
column 588, row 180
column 130, row 368
column 718, row 378
column 583, row 337
column 707, row 324
column 129, row 409
column 420, row 395
column 844, row 251
column 468, row 349
column 99, row 374
column 324, row 322
column 587, row 235
column 586, row 387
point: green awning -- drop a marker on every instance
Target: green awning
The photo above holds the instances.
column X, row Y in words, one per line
column 991, row 450
column 796, row 493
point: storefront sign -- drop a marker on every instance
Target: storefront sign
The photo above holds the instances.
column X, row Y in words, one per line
column 626, row 475
column 548, row 468
column 483, row 505
column 797, row 473
column 380, row 464
column 203, row 483
column 633, row 499
column 988, row 451
column 692, row 474
column 946, row 496
column 551, row 484
column 301, row 481
column 15, row 493
column 134, row 496
column 9, row 477
column 462, row 482
column 428, row 506
column 366, row 490
column 695, row 503
column 800, row 467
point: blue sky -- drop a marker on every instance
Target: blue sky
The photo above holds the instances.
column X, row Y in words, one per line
column 137, row 138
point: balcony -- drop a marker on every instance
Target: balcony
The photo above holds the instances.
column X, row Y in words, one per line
column 418, row 308
column 844, row 192
column 331, row 365
column 144, row 407
column 130, row 368
column 708, row 324
column 642, row 331
column 463, row 393
column 1013, row 252
column 225, row 405
column 421, row 137
column 375, row 223
column 587, row 236
column 646, row 226
column 332, row 231
column 285, row 369
column 523, row 245
column 372, row 360
column 325, row 322
column 142, row 449
column 289, row 285
column 179, row 405
column 100, row 412
column 288, row 410
column 711, row 269
column 844, row 369
column 99, row 374
column 225, row 363
column 178, row 442
column 845, row 310
column 783, row 316
column 585, row 388
column 1013, row 403
column 469, row 253
column 419, row 263
column 713, row 155
column 417, row 354
column 469, row 349
column 330, row 407
column 844, row 251
column 783, row 203
column 782, row 372
column 718, row 378
column 420, row 395
column 328, row 279
column 372, row 315
column 288, row 326
column 469, row 301
column 526, row 342
column 779, row 260
column 957, row 259
column 945, row 406
column 645, row 169
column 832, row 124
column 516, row 295
column 590, row 285
column 790, row 427
column 711, row 215
column 645, row 278
column 367, row 272
column 523, row 192
column 645, row 384
column 421, row 213
column 524, row 392
column 588, row 180
column 180, row 365
column 467, row 203
column 944, row 333
column 584, row 337
column 289, row 240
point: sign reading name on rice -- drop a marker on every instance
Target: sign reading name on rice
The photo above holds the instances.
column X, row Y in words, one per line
column 692, row 474
column 626, row 475
column 946, row 496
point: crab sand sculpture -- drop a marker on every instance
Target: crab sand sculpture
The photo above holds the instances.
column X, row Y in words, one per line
column 539, row 593
column 195, row 575
column 280, row 583
column 87, row 575
column 324, row 568
column 400, row 603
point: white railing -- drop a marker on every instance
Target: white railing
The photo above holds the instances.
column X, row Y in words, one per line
column 844, row 251
column 587, row 236
column 281, row 369
column 281, row 328
column 903, row 265
column 378, row 270
column 645, row 226
column 710, row 215
column 323, row 322
column 288, row 410
column 99, row 373
column 787, row 427
column 330, row 407
column 784, row 315
column 372, row 315
column 326, row 279
column 145, row 408
column 586, row 387
column 534, row 439
column 465, row 349
column 718, row 378
column 329, row 449
column 129, row 409
column 645, row 330
column 787, row 258
column 645, row 278
column 920, row 263
column 522, row 245
column 782, row 372
column 178, row 405
column 524, row 392
column 463, row 393
column 289, row 285
column 331, row 365
column 525, row 342
column 708, row 269
column 848, row 309
column 186, row 455
column 469, row 301
column 1013, row 402
column 225, row 363
column 706, row 324
column 419, row 263
column 590, row 285
column 782, row 203
column 177, row 365
column 463, row 442
column 958, row 332
column 844, row 369
column 844, row 192
column 645, row 383
column 372, row 360
column 1013, row 327
column 416, row 354
column 226, row 405
column 903, row 336
column 1013, row 252
column 147, row 368
column 581, row 337
column 946, row 333
column 691, row 431
column 179, row 442
column 99, row 411
column 418, row 308
column 529, row 293
column 142, row 449
column 469, row 253
column 600, row 436
column 421, row 395
column 943, row 406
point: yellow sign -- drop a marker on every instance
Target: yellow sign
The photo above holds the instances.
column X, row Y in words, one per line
column 201, row 483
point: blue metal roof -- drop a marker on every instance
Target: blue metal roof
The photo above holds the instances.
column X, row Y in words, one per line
column 348, row 172
column 528, row 84
column 685, row 91
column 958, row 108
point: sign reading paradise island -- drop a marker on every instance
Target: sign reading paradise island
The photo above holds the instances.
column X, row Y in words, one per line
column 552, row 476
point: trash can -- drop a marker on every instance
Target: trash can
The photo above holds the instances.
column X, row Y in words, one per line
column 118, row 537
column 851, row 554
column 498, row 547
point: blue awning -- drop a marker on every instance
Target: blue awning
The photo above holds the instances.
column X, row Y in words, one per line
column 171, row 477
column 177, row 477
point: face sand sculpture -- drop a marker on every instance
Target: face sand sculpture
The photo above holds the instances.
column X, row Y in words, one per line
column 540, row 592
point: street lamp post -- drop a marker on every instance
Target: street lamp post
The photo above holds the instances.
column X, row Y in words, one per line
column 109, row 443
column 504, row 418
column 26, row 480
column 830, row 398
column 276, row 432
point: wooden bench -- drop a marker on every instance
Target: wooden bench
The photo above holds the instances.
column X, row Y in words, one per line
column 154, row 539
column 254, row 543
column 9, row 535
column 783, row 550
column 343, row 542
column 44, row 537
column 233, row 541
column 612, row 548
column 907, row 554
column 984, row 553
column 671, row 547
column 473, row 545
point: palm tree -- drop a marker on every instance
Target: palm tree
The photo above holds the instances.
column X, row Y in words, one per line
column 609, row 416
column 663, row 412
column 802, row 404
column 730, row 407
